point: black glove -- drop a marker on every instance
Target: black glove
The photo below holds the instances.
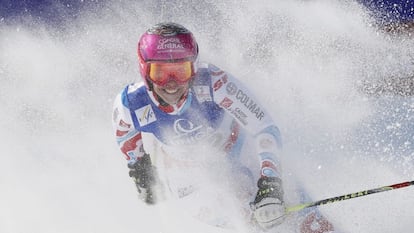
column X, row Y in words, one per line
column 268, row 206
column 143, row 174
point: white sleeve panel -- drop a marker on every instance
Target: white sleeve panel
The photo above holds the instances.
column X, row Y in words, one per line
column 243, row 106
column 238, row 101
column 128, row 138
column 121, row 118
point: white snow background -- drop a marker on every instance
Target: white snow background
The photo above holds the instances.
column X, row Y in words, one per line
column 61, row 170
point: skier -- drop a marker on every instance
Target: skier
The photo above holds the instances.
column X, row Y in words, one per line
column 185, row 104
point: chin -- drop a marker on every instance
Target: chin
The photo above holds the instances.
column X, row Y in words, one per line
column 169, row 100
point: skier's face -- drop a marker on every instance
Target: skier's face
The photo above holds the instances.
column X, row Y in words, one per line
column 172, row 91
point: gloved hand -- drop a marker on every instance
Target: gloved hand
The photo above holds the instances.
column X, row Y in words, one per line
column 268, row 206
column 143, row 174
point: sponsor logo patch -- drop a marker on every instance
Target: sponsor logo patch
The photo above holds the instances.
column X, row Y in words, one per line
column 219, row 83
column 202, row 93
column 187, row 132
column 145, row 115
column 123, row 124
column 226, row 103
column 170, row 43
column 231, row 88
column 250, row 104
column 240, row 115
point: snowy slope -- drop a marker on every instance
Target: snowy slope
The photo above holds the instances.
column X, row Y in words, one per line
column 60, row 168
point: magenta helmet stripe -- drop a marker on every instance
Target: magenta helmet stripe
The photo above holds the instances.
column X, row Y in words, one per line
column 167, row 42
column 155, row 47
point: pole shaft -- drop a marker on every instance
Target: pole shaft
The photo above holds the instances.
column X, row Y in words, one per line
column 348, row 196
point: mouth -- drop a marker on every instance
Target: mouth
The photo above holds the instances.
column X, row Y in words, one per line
column 171, row 91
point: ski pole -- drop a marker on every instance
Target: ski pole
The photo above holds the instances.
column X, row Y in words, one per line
column 348, row 196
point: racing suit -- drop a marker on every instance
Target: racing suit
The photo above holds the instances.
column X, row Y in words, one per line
column 218, row 111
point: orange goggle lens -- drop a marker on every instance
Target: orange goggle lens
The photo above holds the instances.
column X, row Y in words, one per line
column 161, row 73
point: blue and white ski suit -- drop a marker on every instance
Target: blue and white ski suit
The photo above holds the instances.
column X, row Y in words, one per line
column 218, row 111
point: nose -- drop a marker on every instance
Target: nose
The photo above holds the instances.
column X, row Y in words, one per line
column 171, row 83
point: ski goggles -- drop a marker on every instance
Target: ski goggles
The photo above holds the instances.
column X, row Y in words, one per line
column 161, row 73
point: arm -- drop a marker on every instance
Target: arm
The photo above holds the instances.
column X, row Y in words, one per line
column 131, row 145
column 268, row 205
column 128, row 138
column 241, row 104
